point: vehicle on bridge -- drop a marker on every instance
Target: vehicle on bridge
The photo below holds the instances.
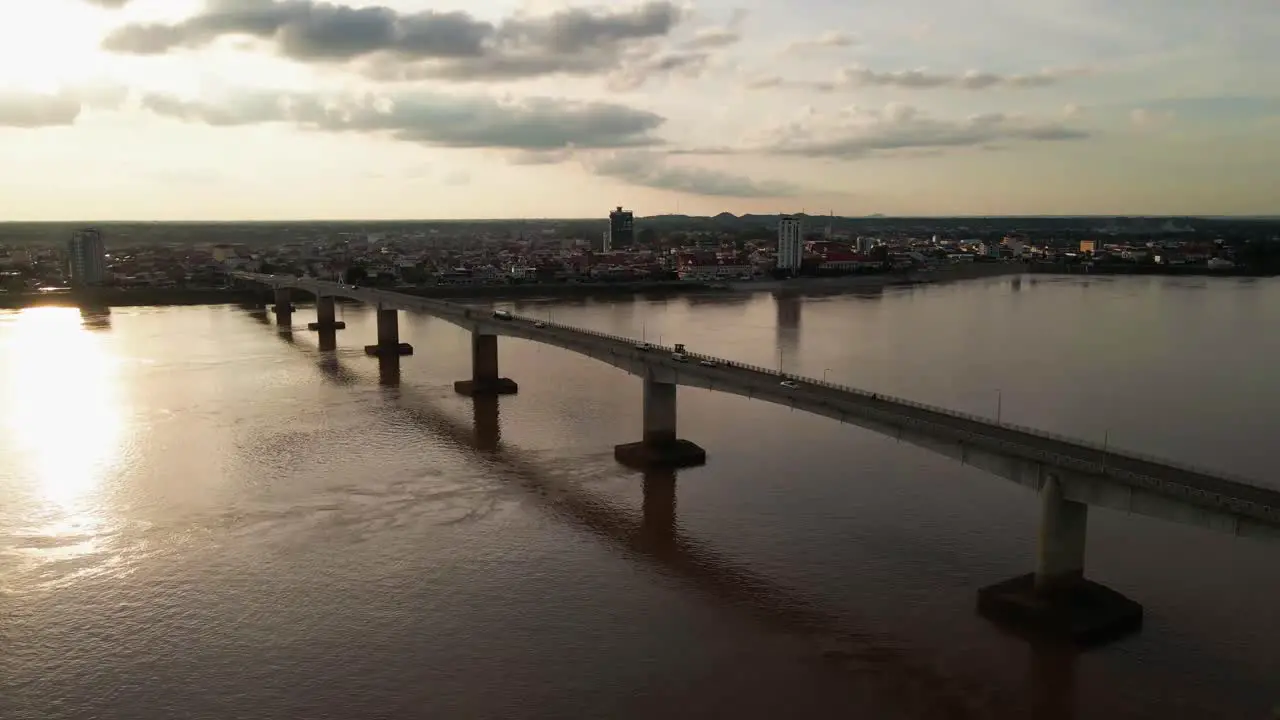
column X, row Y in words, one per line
column 679, row 357
column 790, row 385
column 642, row 346
column 503, row 315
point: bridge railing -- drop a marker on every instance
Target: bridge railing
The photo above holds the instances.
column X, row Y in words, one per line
column 1104, row 451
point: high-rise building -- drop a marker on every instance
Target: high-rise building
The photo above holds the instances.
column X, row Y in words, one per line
column 621, row 229
column 87, row 257
column 790, row 243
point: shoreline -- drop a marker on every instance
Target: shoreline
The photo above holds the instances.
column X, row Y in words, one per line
column 114, row 297
column 854, row 283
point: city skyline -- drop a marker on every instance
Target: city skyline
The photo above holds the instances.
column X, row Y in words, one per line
column 257, row 109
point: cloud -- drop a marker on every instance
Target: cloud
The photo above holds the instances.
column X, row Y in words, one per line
column 649, row 169
column 896, row 130
column 534, row 124
column 30, row 110
column 711, row 38
column 109, row 4
column 37, row 110
column 826, row 40
column 409, row 46
column 640, row 72
column 859, row 77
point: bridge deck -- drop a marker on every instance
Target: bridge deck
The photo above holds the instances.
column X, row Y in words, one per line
column 1167, row 477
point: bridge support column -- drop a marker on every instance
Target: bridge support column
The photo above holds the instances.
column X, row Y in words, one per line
column 388, row 335
column 484, row 370
column 1057, row 600
column 660, row 447
column 284, row 307
column 326, row 315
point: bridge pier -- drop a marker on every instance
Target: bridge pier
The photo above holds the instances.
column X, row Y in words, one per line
column 1057, row 600
column 388, row 335
column 660, row 447
column 284, row 307
column 484, row 370
column 326, row 315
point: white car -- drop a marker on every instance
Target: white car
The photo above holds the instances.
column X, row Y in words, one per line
column 539, row 324
column 790, row 385
column 642, row 346
column 706, row 363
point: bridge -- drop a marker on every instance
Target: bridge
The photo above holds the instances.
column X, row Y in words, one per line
column 1068, row 474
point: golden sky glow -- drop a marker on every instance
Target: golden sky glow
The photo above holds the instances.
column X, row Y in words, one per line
column 903, row 107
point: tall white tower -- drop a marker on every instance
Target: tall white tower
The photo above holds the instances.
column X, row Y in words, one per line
column 87, row 257
column 790, row 243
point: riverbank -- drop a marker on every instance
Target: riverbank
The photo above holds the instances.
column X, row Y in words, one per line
column 451, row 292
column 856, row 283
column 134, row 297
column 129, row 297
column 1136, row 269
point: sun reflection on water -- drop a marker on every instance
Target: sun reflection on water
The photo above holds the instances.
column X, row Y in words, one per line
column 63, row 426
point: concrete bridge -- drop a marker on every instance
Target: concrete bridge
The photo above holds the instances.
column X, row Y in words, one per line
column 1068, row 474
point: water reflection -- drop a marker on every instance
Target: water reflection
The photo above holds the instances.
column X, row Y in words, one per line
column 96, row 318
column 389, row 370
column 659, row 508
column 900, row 671
column 488, row 428
column 328, row 339
column 1052, row 681
column 787, row 328
column 64, row 425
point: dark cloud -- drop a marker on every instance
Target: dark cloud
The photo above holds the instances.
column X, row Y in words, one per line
column 534, row 125
column 859, row 77
column 393, row 45
column 651, row 170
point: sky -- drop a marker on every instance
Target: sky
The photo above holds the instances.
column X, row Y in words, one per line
column 406, row 109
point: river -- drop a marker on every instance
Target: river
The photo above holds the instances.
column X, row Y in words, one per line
column 203, row 518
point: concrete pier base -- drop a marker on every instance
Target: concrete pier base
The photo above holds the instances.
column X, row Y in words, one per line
column 1084, row 612
column 392, row 350
column 672, row 454
column 1056, row 600
column 661, row 448
column 326, row 315
column 388, row 336
column 479, row 388
column 484, row 370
